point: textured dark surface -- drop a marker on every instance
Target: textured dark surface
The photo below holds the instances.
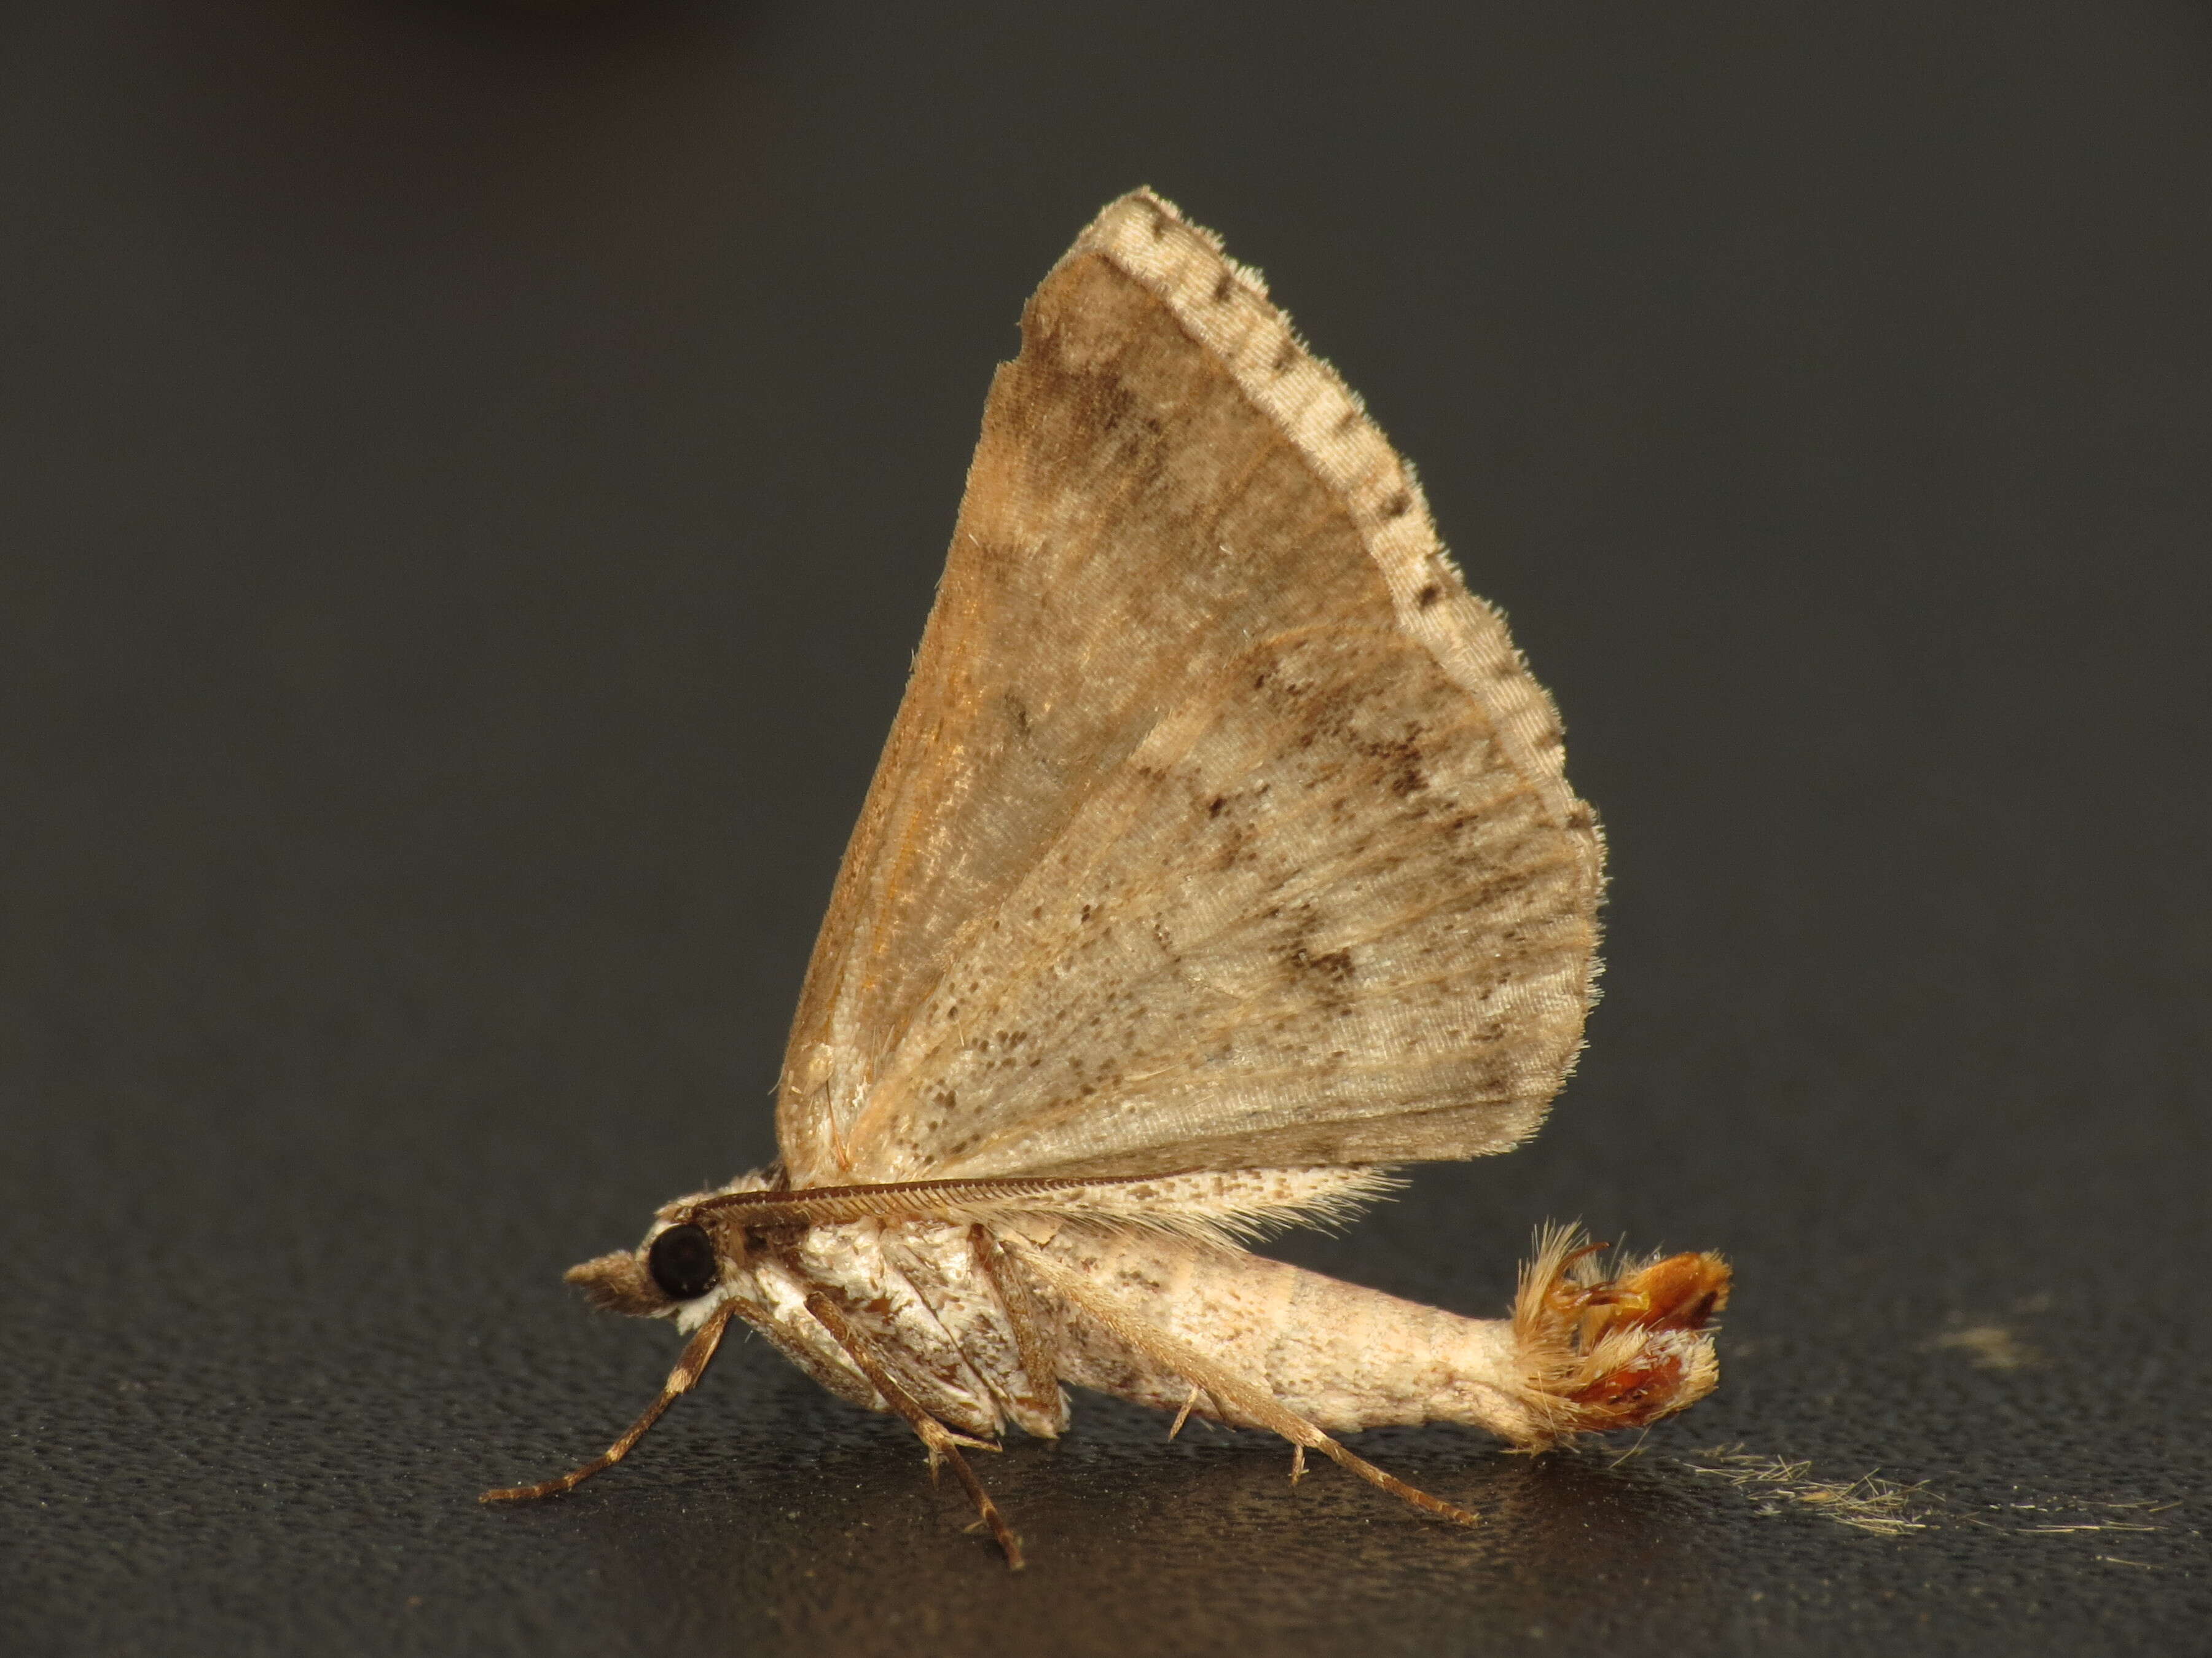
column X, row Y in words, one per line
column 472, row 484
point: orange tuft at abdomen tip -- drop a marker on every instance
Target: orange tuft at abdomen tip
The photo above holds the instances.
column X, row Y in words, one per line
column 1679, row 1293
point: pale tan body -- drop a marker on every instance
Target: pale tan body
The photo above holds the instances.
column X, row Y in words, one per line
column 931, row 1298
column 1341, row 1357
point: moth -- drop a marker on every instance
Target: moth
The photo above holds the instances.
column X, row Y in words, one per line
column 1221, row 857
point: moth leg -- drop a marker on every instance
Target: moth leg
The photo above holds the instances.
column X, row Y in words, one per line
column 1184, row 1415
column 1297, row 1463
column 1229, row 1390
column 1039, row 1363
column 698, row 1354
column 940, row 1442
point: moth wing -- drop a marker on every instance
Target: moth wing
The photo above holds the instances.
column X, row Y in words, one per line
column 1221, row 826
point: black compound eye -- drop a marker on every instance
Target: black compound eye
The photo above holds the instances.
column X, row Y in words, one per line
column 682, row 1262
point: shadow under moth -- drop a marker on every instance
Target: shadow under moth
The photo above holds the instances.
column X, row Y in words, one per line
column 1221, row 857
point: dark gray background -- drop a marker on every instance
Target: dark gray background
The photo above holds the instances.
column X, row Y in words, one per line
column 472, row 482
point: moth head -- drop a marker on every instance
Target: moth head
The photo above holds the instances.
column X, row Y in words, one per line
column 679, row 1261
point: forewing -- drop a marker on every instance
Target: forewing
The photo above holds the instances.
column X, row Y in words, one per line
column 1220, row 827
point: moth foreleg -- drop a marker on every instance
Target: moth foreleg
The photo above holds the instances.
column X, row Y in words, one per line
column 1039, row 1363
column 1230, row 1391
column 942, row 1444
column 698, row 1352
